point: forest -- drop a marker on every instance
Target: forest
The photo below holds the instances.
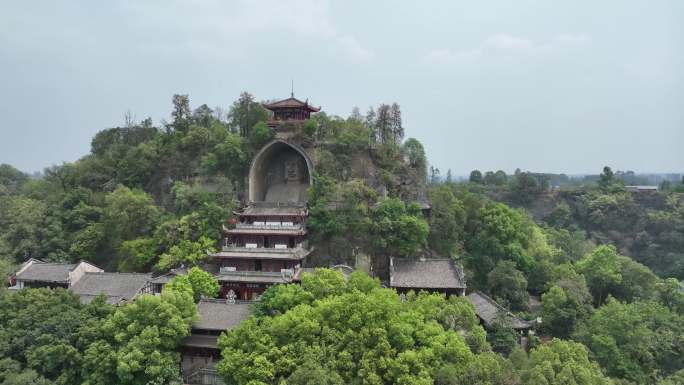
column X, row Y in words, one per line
column 599, row 264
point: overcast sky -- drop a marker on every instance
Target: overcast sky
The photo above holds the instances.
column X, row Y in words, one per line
column 540, row 85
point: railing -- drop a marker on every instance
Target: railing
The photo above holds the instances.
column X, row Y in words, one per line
column 203, row 377
column 265, row 226
column 259, row 249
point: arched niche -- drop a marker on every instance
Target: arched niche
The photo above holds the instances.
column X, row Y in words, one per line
column 280, row 172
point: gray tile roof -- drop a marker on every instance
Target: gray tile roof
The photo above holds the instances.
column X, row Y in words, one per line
column 273, row 231
column 166, row 277
column 200, row 341
column 116, row 287
column 487, row 310
column 426, row 274
column 47, row 272
column 295, row 254
column 253, row 277
column 219, row 315
column 274, row 210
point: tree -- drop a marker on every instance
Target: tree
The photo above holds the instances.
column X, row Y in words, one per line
column 525, row 187
column 562, row 362
column 446, row 222
column 353, row 336
column 398, row 230
column 602, row 270
column 137, row 342
column 129, row 214
column 383, row 124
column 227, row 158
column 181, row 112
column 11, row 179
column 636, row 341
column 561, row 216
column 22, row 220
column 197, row 281
column 416, row 158
column 397, row 128
column 43, row 334
column 186, row 253
column 564, row 305
column 607, row 178
column 245, row 113
column 260, row 135
column 475, row 176
column 496, row 232
column 508, row 286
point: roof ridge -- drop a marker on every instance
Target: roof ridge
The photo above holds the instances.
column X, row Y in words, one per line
column 56, row 263
column 115, row 272
column 498, row 305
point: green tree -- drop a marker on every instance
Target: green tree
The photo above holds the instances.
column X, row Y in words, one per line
column 602, row 271
column 637, row 341
column 129, row 214
column 446, row 222
column 187, row 253
column 137, row 342
column 198, row 281
column 245, row 113
column 398, row 230
column 562, row 362
column 508, row 286
column 565, row 305
column 476, row 176
column 351, row 336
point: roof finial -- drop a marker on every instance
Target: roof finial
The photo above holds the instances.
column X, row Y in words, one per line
column 292, row 88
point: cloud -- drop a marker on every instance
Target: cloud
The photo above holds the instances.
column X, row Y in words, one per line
column 352, row 50
column 502, row 44
column 226, row 25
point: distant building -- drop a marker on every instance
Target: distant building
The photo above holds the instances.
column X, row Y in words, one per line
column 290, row 111
column 642, row 189
column 35, row 273
column 199, row 351
column 488, row 311
column 115, row 287
column 433, row 275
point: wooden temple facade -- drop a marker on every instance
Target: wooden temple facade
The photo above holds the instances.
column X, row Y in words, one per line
column 265, row 246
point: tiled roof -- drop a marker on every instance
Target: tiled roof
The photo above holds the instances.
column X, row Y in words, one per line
column 116, row 287
column 294, row 254
column 220, row 315
column 200, row 341
column 46, row 272
column 274, row 210
column 253, row 277
column 271, row 231
column 487, row 310
column 426, row 274
column 165, row 278
column 291, row 102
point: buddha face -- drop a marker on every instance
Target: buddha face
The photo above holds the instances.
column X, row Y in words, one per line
column 292, row 171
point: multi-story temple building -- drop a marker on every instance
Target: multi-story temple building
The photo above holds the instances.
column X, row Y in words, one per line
column 267, row 243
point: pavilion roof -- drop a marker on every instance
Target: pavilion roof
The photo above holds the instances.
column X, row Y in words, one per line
column 220, row 315
column 267, row 231
column 487, row 310
column 46, row 272
column 269, row 277
column 116, row 287
column 294, row 254
column 200, row 341
column 274, row 210
column 440, row 273
column 291, row 102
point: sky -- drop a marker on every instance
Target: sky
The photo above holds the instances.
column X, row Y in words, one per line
column 546, row 86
